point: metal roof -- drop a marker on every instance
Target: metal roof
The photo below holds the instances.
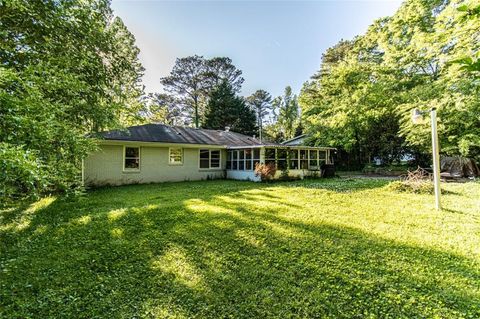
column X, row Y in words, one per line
column 295, row 141
column 176, row 134
column 161, row 133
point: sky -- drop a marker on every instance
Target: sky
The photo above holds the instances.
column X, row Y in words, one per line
column 274, row 43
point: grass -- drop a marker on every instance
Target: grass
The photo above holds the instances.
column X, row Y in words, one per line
column 317, row 248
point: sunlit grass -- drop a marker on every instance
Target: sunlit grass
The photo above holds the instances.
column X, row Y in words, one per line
column 316, row 248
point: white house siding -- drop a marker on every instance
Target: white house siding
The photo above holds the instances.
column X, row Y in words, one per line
column 242, row 175
column 105, row 167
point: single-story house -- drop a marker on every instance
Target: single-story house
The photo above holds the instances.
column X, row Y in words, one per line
column 154, row 153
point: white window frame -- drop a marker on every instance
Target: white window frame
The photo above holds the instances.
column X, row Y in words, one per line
column 210, row 159
column 237, row 160
column 134, row 170
column 170, row 156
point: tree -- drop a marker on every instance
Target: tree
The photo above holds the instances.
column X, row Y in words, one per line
column 193, row 78
column 334, row 55
column 361, row 98
column 67, row 68
column 288, row 112
column 470, row 14
column 162, row 108
column 126, row 74
column 225, row 109
column 221, row 69
column 261, row 103
column 187, row 84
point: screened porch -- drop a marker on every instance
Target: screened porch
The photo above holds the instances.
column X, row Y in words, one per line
column 300, row 161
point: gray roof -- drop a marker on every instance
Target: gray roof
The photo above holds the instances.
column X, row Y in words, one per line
column 297, row 140
column 176, row 134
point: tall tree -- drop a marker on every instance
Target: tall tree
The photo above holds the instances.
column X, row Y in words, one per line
column 261, row 103
column 162, row 108
column 187, row 84
column 67, row 68
column 219, row 69
column 225, row 109
column 126, row 73
column 193, row 78
column 402, row 62
column 288, row 113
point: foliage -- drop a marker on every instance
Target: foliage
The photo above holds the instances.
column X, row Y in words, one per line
column 162, row 108
column 193, row 79
column 20, row 174
column 288, row 113
column 470, row 63
column 261, row 103
column 266, row 172
column 220, row 69
column 361, row 98
column 232, row 249
column 67, row 68
column 225, row 109
column 126, row 74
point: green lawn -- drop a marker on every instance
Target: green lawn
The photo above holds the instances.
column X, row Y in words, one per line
column 317, row 248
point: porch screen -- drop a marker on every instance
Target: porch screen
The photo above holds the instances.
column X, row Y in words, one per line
column 243, row 159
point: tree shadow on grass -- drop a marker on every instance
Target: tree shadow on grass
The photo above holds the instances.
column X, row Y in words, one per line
column 218, row 253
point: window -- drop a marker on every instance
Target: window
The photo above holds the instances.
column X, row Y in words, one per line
column 303, row 159
column 131, row 159
column 229, row 160
column 313, row 157
column 209, row 159
column 293, row 159
column 234, row 159
column 245, row 159
column 269, row 156
column 175, row 156
column 256, row 157
column 248, row 159
column 215, row 159
column 322, row 157
column 241, row 160
column 204, row 159
column 281, row 159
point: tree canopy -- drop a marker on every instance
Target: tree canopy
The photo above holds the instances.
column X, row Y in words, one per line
column 286, row 115
column 361, row 98
column 192, row 80
column 67, row 68
column 261, row 102
column 225, row 109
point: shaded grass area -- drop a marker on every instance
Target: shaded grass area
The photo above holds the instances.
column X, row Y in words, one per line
column 317, row 248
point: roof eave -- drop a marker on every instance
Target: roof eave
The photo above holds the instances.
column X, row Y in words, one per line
column 157, row 144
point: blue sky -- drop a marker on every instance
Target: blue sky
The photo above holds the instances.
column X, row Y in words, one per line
column 274, row 43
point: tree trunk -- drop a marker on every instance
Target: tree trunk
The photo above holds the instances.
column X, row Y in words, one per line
column 196, row 111
column 260, row 127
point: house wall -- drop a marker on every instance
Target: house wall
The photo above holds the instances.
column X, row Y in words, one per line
column 105, row 167
column 243, row 175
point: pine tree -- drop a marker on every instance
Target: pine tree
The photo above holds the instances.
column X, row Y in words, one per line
column 225, row 109
column 261, row 103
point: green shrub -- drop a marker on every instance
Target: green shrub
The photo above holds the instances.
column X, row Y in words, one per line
column 21, row 175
